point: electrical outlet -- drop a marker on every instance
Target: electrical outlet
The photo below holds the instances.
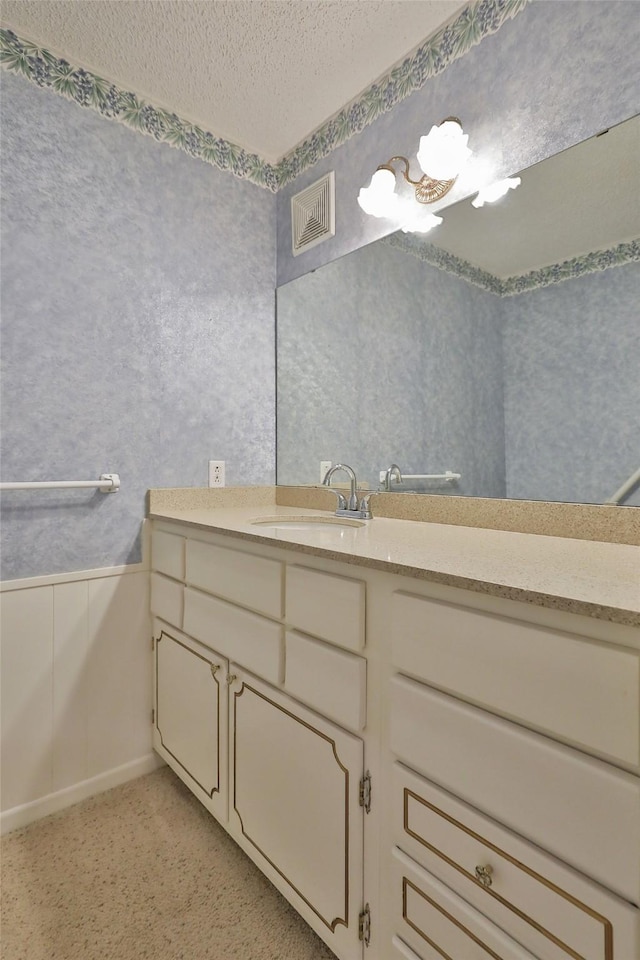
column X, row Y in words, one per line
column 216, row 473
column 324, row 466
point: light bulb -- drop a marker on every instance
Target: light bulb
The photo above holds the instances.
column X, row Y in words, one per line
column 495, row 190
column 444, row 151
column 379, row 199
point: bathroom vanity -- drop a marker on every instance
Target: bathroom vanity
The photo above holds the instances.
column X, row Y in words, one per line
column 426, row 736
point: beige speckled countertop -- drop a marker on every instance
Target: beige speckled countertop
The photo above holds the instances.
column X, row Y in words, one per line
column 591, row 578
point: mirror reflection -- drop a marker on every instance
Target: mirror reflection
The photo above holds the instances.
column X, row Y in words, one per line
column 504, row 348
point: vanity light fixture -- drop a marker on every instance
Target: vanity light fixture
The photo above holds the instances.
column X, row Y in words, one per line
column 495, row 190
column 442, row 154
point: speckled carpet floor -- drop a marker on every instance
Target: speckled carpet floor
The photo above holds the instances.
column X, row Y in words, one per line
column 142, row 872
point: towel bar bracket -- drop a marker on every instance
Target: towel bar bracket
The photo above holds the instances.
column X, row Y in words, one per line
column 114, row 482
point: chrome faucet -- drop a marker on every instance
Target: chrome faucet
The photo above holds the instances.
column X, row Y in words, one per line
column 393, row 471
column 353, row 507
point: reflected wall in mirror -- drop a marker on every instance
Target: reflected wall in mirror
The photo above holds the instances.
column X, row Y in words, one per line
column 504, row 347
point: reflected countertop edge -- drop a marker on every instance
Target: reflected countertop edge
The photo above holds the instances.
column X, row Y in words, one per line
column 592, row 578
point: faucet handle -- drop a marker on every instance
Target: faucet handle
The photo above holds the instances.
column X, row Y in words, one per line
column 364, row 506
column 342, row 500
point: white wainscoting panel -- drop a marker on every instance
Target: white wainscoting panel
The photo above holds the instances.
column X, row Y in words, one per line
column 76, row 689
column 26, row 668
column 70, row 703
column 119, row 672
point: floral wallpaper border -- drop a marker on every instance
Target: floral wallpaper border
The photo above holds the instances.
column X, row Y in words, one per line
column 46, row 70
column 576, row 267
column 429, row 253
column 627, row 252
column 477, row 20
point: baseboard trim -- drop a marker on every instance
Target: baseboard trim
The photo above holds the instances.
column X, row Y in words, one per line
column 53, row 802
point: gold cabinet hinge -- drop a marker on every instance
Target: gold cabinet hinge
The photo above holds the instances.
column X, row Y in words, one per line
column 364, row 925
column 365, row 792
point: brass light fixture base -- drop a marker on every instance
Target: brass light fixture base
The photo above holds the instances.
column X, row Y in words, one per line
column 426, row 189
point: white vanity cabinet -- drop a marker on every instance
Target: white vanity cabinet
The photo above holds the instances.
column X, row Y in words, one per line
column 501, row 818
column 262, row 720
column 489, row 794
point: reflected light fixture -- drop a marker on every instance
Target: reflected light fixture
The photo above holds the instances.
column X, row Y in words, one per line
column 495, row 190
column 417, row 221
column 442, row 154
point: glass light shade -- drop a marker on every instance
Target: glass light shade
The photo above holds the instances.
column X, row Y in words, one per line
column 495, row 190
column 419, row 221
column 444, row 151
column 379, row 199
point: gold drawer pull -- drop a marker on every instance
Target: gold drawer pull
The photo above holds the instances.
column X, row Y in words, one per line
column 483, row 874
column 214, row 668
column 231, row 677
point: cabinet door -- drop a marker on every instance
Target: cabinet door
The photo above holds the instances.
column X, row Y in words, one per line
column 295, row 809
column 190, row 730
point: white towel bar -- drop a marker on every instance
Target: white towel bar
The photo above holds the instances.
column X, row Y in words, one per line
column 626, row 488
column 448, row 476
column 108, row 483
column 432, row 476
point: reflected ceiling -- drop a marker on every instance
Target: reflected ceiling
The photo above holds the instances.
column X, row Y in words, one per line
column 565, row 207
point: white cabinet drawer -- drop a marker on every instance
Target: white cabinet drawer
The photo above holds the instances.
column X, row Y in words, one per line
column 167, row 554
column 581, row 809
column 326, row 606
column 438, row 923
column 166, row 599
column 561, row 684
column 543, row 904
column 254, row 582
column 332, row 681
column 245, row 637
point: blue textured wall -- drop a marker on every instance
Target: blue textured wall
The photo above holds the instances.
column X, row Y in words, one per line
column 138, row 335
column 572, row 387
column 138, row 284
column 384, row 358
column 551, row 77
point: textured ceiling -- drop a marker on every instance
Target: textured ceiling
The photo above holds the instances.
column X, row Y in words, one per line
column 260, row 73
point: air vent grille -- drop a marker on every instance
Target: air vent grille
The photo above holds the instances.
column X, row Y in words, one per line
column 313, row 214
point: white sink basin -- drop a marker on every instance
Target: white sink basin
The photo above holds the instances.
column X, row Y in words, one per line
column 313, row 524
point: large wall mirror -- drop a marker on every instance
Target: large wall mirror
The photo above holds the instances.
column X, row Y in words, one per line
column 503, row 347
